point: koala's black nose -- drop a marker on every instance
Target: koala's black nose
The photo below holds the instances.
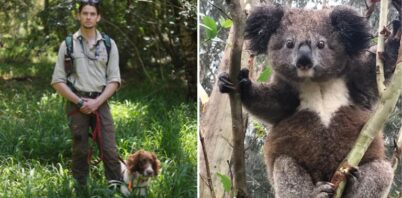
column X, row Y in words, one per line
column 304, row 59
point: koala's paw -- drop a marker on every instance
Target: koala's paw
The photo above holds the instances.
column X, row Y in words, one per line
column 224, row 84
column 353, row 175
column 323, row 190
column 244, row 81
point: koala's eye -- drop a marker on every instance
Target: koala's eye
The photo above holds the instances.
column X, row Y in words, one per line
column 321, row 45
column 290, row 44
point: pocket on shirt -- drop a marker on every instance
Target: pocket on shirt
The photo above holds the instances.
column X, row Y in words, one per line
column 103, row 58
column 79, row 59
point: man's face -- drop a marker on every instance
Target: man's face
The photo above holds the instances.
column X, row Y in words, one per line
column 88, row 17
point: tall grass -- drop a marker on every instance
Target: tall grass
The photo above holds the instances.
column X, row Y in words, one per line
column 35, row 142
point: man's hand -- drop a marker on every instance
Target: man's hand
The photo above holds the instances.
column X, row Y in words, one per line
column 90, row 105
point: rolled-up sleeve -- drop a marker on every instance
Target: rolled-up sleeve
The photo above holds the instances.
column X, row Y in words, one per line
column 113, row 70
column 59, row 74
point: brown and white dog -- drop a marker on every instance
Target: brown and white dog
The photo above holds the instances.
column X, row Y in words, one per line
column 137, row 170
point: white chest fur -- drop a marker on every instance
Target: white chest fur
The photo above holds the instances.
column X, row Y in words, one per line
column 323, row 98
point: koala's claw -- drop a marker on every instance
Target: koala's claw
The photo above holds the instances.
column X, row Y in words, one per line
column 224, row 84
column 324, row 190
column 244, row 81
column 353, row 174
column 243, row 74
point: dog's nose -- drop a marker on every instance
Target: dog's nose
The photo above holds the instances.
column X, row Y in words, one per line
column 304, row 59
column 149, row 172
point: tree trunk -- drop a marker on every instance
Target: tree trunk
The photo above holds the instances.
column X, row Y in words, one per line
column 216, row 126
column 188, row 42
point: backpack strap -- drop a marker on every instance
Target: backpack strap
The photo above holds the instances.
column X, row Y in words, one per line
column 69, row 45
column 108, row 45
column 70, row 49
column 68, row 58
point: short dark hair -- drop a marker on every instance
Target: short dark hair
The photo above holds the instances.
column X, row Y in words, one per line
column 91, row 3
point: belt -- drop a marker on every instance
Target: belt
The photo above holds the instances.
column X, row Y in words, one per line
column 88, row 94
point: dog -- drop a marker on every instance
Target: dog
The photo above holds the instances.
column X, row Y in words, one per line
column 137, row 171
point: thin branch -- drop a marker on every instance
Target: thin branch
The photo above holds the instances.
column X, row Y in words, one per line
column 365, row 3
column 396, row 157
column 231, row 177
column 380, row 47
column 209, row 178
column 203, row 179
column 398, row 6
column 238, row 132
column 221, row 10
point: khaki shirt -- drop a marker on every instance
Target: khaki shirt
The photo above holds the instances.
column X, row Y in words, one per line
column 90, row 75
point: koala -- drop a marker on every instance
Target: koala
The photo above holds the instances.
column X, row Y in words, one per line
column 321, row 93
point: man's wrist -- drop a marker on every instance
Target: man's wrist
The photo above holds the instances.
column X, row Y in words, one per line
column 99, row 101
column 80, row 103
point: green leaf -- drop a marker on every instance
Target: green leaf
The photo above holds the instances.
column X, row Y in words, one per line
column 225, row 180
column 265, row 74
column 225, row 23
column 211, row 29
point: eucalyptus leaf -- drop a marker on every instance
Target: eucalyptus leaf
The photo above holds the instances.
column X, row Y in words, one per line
column 265, row 74
column 211, row 30
column 225, row 180
column 226, row 23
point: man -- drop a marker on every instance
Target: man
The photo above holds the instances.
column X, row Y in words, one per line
column 94, row 78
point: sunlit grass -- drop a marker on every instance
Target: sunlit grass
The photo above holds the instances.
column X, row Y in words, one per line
column 35, row 149
column 10, row 71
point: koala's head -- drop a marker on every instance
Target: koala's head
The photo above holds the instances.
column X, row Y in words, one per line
column 307, row 44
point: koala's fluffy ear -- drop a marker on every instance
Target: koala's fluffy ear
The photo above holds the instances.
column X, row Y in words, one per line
column 352, row 28
column 260, row 25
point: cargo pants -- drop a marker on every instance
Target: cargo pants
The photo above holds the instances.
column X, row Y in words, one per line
column 80, row 124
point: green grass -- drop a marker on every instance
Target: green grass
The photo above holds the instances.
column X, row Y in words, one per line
column 35, row 142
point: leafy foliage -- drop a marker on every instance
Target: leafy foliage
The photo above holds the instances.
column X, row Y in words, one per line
column 211, row 29
column 35, row 149
column 152, row 36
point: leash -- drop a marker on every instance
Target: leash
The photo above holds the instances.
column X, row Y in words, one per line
column 96, row 135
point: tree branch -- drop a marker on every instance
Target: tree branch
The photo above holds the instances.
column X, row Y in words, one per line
column 238, row 131
column 382, row 29
column 373, row 126
column 221, row 10
column 396, row 157
column 209, row 178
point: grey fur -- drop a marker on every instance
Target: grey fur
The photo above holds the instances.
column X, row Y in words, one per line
column 318, row 112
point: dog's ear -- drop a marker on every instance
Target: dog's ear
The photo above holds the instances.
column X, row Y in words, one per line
column 155, row 164
column 132, row 161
